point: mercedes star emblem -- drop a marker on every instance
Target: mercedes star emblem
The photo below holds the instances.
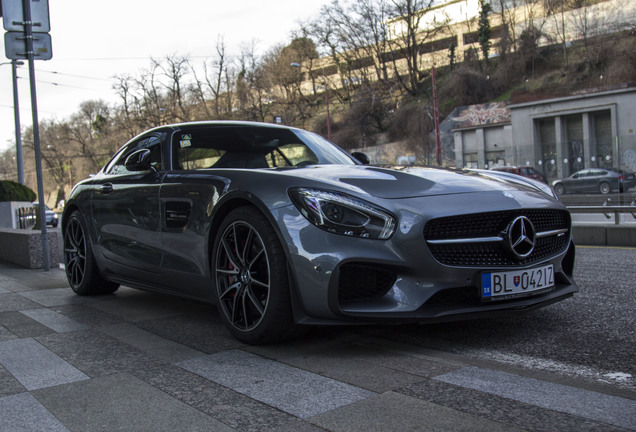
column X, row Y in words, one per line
column 521, row 237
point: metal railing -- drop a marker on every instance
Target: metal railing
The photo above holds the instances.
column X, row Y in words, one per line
column 27, row 217
column 607, row 210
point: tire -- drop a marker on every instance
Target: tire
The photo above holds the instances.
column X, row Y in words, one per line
column 81, row 269
column 559, row 188
column 604, row 188
column 251, row 279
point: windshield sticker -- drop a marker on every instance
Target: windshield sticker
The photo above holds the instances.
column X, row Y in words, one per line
column 185, row 143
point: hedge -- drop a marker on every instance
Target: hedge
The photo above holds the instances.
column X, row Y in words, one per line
column 12, row 191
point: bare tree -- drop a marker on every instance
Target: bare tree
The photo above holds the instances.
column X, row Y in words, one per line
column 55, row 157
column 355, row 34
column 252, row 86
column 8, row 167
column 598, row 26
column 411, row 30
column 215, row 88
column 175, row 69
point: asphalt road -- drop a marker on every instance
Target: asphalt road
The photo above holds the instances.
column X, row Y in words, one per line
column 591, row 336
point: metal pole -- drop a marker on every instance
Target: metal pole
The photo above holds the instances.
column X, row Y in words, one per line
column 16, row 115
column 438, row 148
column 28, row 30
column 328, row 115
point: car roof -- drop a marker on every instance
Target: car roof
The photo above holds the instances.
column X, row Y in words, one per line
column 217, row 123
column 223, row 123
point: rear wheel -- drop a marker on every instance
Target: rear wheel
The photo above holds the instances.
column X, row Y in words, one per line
column 251, row 280
column 559, row 189
column 81, row 270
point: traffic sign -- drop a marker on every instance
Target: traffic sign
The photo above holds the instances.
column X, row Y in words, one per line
column 15, row 46
column 13, row 15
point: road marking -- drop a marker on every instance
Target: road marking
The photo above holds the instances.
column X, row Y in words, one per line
column 616, row 378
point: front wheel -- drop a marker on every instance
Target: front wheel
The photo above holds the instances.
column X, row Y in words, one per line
column 605, row 188
column 81, row 270
column 251, row 279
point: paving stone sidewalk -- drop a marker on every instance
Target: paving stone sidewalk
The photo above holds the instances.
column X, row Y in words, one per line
column 138, row 361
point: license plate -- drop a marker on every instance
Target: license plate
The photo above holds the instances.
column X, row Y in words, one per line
column 503, row 285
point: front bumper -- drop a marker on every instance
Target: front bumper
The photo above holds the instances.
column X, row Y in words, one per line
column 340, row 279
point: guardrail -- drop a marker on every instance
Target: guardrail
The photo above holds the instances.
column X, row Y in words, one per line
column 607, row 210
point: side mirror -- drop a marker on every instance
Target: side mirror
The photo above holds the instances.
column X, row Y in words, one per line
column 138, row 161
column 361, row 157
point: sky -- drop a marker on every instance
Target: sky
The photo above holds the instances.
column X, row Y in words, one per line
column 94, row 41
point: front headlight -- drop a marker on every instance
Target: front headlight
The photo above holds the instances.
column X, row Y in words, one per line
column 339, row 213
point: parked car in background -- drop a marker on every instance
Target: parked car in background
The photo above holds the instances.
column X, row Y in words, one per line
column 525, row 171
column 280, row 227
column 51, row 216
column 595, row 180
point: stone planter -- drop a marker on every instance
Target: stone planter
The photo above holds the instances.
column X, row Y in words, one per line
column 24, row 247
column 9, row 213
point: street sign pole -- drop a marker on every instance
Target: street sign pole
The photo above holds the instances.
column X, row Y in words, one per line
column 18, row 20
column 28, row 31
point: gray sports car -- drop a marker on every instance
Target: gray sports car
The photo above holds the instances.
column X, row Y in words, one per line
column 281, row 228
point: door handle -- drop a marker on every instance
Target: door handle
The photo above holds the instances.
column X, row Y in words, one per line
column 107, row 188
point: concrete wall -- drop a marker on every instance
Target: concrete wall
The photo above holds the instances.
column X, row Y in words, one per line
column 604, row 235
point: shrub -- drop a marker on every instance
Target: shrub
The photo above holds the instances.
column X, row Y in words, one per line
column 12, row 191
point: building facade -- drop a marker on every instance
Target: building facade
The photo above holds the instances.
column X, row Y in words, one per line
column 558, row 136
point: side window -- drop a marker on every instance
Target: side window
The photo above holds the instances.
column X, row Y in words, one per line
column 291, row 154
column 152, row 143
column 195, row 151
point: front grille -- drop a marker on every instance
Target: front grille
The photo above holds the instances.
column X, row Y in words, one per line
column 363, row 282
column 492, row 224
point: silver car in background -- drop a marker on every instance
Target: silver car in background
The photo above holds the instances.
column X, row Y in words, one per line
column 595, row 180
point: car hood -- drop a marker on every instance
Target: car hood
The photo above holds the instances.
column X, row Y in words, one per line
column 408, row 182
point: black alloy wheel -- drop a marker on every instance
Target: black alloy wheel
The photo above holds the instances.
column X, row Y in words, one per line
column 81, row 270
column 250, row 272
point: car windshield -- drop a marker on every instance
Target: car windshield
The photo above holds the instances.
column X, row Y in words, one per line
column 252, row 147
